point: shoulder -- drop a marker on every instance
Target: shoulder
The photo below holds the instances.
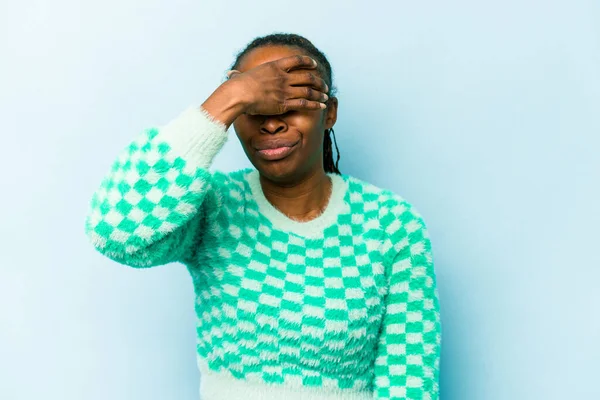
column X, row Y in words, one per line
column 397, row 217
column 389, row 204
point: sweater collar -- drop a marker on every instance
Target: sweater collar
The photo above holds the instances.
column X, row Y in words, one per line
column 310, row 229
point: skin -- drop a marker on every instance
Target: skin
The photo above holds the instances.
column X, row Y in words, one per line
column 296, row 183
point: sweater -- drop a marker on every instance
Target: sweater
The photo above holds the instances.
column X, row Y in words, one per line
column 344, row 306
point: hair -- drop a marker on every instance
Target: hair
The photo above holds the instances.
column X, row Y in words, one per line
column 324, row 69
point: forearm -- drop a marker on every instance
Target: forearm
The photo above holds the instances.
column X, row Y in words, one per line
column 226, row 103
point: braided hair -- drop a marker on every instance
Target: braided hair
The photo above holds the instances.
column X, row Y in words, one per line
column 324, row 69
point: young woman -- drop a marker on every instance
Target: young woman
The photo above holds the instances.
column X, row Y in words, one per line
column 310, row 284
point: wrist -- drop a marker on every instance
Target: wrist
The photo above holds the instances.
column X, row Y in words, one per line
column 226, row 103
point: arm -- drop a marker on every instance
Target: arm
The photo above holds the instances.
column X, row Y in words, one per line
column 153, row 205
column 408, row 352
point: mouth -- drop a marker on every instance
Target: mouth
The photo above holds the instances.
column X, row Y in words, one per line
column 275, row 150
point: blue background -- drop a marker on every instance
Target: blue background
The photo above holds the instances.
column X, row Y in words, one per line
column 484, row 115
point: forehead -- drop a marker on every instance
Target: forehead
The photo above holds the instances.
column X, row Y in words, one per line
column 266, row 54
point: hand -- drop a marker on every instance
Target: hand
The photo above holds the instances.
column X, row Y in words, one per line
column 272, row 88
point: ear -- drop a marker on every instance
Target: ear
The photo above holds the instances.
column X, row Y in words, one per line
column 331, row 112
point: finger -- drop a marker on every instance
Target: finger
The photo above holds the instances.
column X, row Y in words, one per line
column 305, row 92
column 308, row 79
column 295, row 62
column 302, row 104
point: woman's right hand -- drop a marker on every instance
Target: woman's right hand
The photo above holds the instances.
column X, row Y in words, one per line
column 271, row 88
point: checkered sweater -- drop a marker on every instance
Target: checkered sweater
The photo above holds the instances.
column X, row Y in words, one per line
column 344, row 306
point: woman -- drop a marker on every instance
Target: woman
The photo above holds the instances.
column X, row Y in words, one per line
column 310, row 284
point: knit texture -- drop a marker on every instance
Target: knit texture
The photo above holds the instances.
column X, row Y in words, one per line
column 343, row 306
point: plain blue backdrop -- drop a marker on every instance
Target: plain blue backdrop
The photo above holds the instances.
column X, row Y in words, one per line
column 484, row 115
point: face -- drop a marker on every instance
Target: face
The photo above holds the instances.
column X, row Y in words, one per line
column 303, row 130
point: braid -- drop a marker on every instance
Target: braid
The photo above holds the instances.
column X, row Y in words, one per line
column 324, row 69
column 328, row 153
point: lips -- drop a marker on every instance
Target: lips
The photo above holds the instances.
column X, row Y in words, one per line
column 275, row 144
column 275, row 149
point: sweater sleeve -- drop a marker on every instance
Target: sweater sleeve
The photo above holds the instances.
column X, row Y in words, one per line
column 408, row 351
column 152, row 206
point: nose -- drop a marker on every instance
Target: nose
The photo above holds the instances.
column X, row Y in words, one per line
column 272, row 125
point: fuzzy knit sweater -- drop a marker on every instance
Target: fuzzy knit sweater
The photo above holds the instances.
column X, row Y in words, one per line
column 344, row 306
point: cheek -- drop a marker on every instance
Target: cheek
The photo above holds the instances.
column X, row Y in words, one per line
column 243, row 130
column 309, row 124
column 314, row 139
column 316, row 142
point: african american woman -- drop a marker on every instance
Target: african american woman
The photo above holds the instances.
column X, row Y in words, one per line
column 309, row 284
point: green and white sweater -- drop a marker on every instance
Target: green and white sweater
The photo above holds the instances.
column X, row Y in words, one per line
column 344, row 306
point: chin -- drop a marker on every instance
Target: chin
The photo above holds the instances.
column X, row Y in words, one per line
column 277, row 171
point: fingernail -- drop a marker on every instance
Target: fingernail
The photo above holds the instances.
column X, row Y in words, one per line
column 326, row 88
column 323, row 105
column 314, row 62
column 326, row 97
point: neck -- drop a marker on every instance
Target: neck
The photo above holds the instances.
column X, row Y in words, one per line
column 302, row 200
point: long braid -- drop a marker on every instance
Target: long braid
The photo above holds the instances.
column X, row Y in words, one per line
column 328, row 163
column 324, row 69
